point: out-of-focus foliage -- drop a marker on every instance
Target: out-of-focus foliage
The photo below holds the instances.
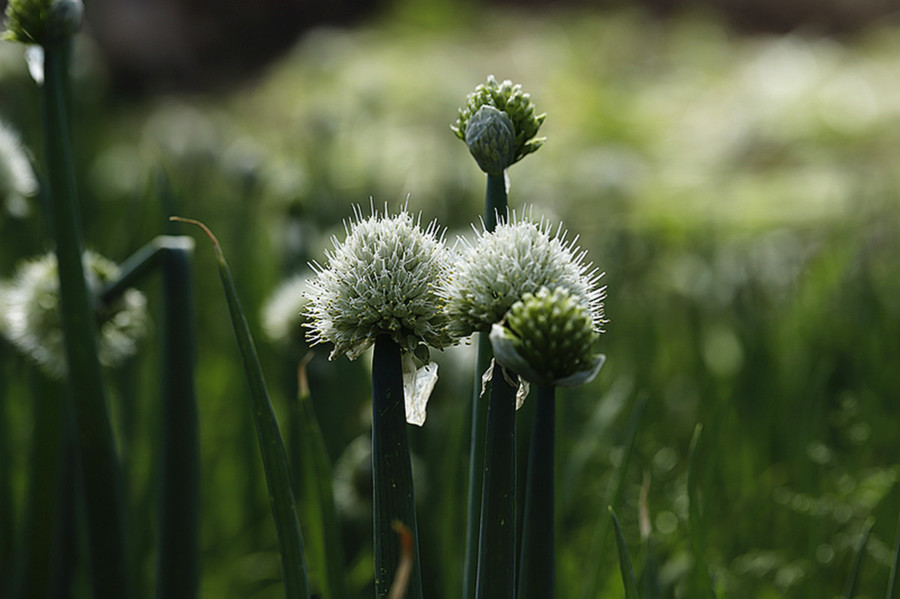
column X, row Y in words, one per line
column 741, row 194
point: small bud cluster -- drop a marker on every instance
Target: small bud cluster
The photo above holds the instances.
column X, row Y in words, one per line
column 548, row 338
column 489, row 143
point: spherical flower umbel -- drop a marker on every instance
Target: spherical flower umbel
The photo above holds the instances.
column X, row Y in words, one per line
column 383, row 279
column 547, row 338
column 512, row 103
column 30, row 318
column 519, row 257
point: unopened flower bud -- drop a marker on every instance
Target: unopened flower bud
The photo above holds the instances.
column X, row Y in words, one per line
column 491, row 138
column 547, row 339
column 515, row 104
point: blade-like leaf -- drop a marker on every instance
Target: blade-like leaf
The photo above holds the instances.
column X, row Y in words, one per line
column 271, row 445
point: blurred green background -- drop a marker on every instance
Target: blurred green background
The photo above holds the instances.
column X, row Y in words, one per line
column 738, row 187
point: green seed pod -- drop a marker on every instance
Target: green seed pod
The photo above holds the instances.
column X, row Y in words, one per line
column 491, row 138
column 547, row 339
column 511, row 101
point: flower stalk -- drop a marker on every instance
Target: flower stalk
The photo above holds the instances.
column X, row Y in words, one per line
column 100, row 461
column 537, row 568
column 393, row 494
column 497, row 540
column 178, row 564
column 495, row 202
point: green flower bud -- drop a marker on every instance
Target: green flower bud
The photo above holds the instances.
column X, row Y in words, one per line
column 383, row 279
column 491, row 139
column 42, row 21
column 30, row 318
column 510, row 100
column 547, row 339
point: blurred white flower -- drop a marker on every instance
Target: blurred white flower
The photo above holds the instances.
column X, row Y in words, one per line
column 283, row 312
column 30, row 313
column 17, row 179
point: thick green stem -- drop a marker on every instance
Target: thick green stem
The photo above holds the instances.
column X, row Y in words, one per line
column 393, row 494
column 178, row 565
column 537, row 568
column 100, row 462
column 495, row 202
column 497, row 542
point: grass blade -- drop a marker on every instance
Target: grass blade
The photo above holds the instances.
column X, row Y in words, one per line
column 495, row 201
column 537, row 568
column 393, row 494
column 624, row 559
column 100, row 461
column 892, row 579
column 497, row 542
column 593, row 573
column 313, row 490
column 859, row 554
column 701, row 581
column 271, row 445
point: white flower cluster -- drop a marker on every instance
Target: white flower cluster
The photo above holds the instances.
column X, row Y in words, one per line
column 383, row 279
column 519, row 257
column 30, row 313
